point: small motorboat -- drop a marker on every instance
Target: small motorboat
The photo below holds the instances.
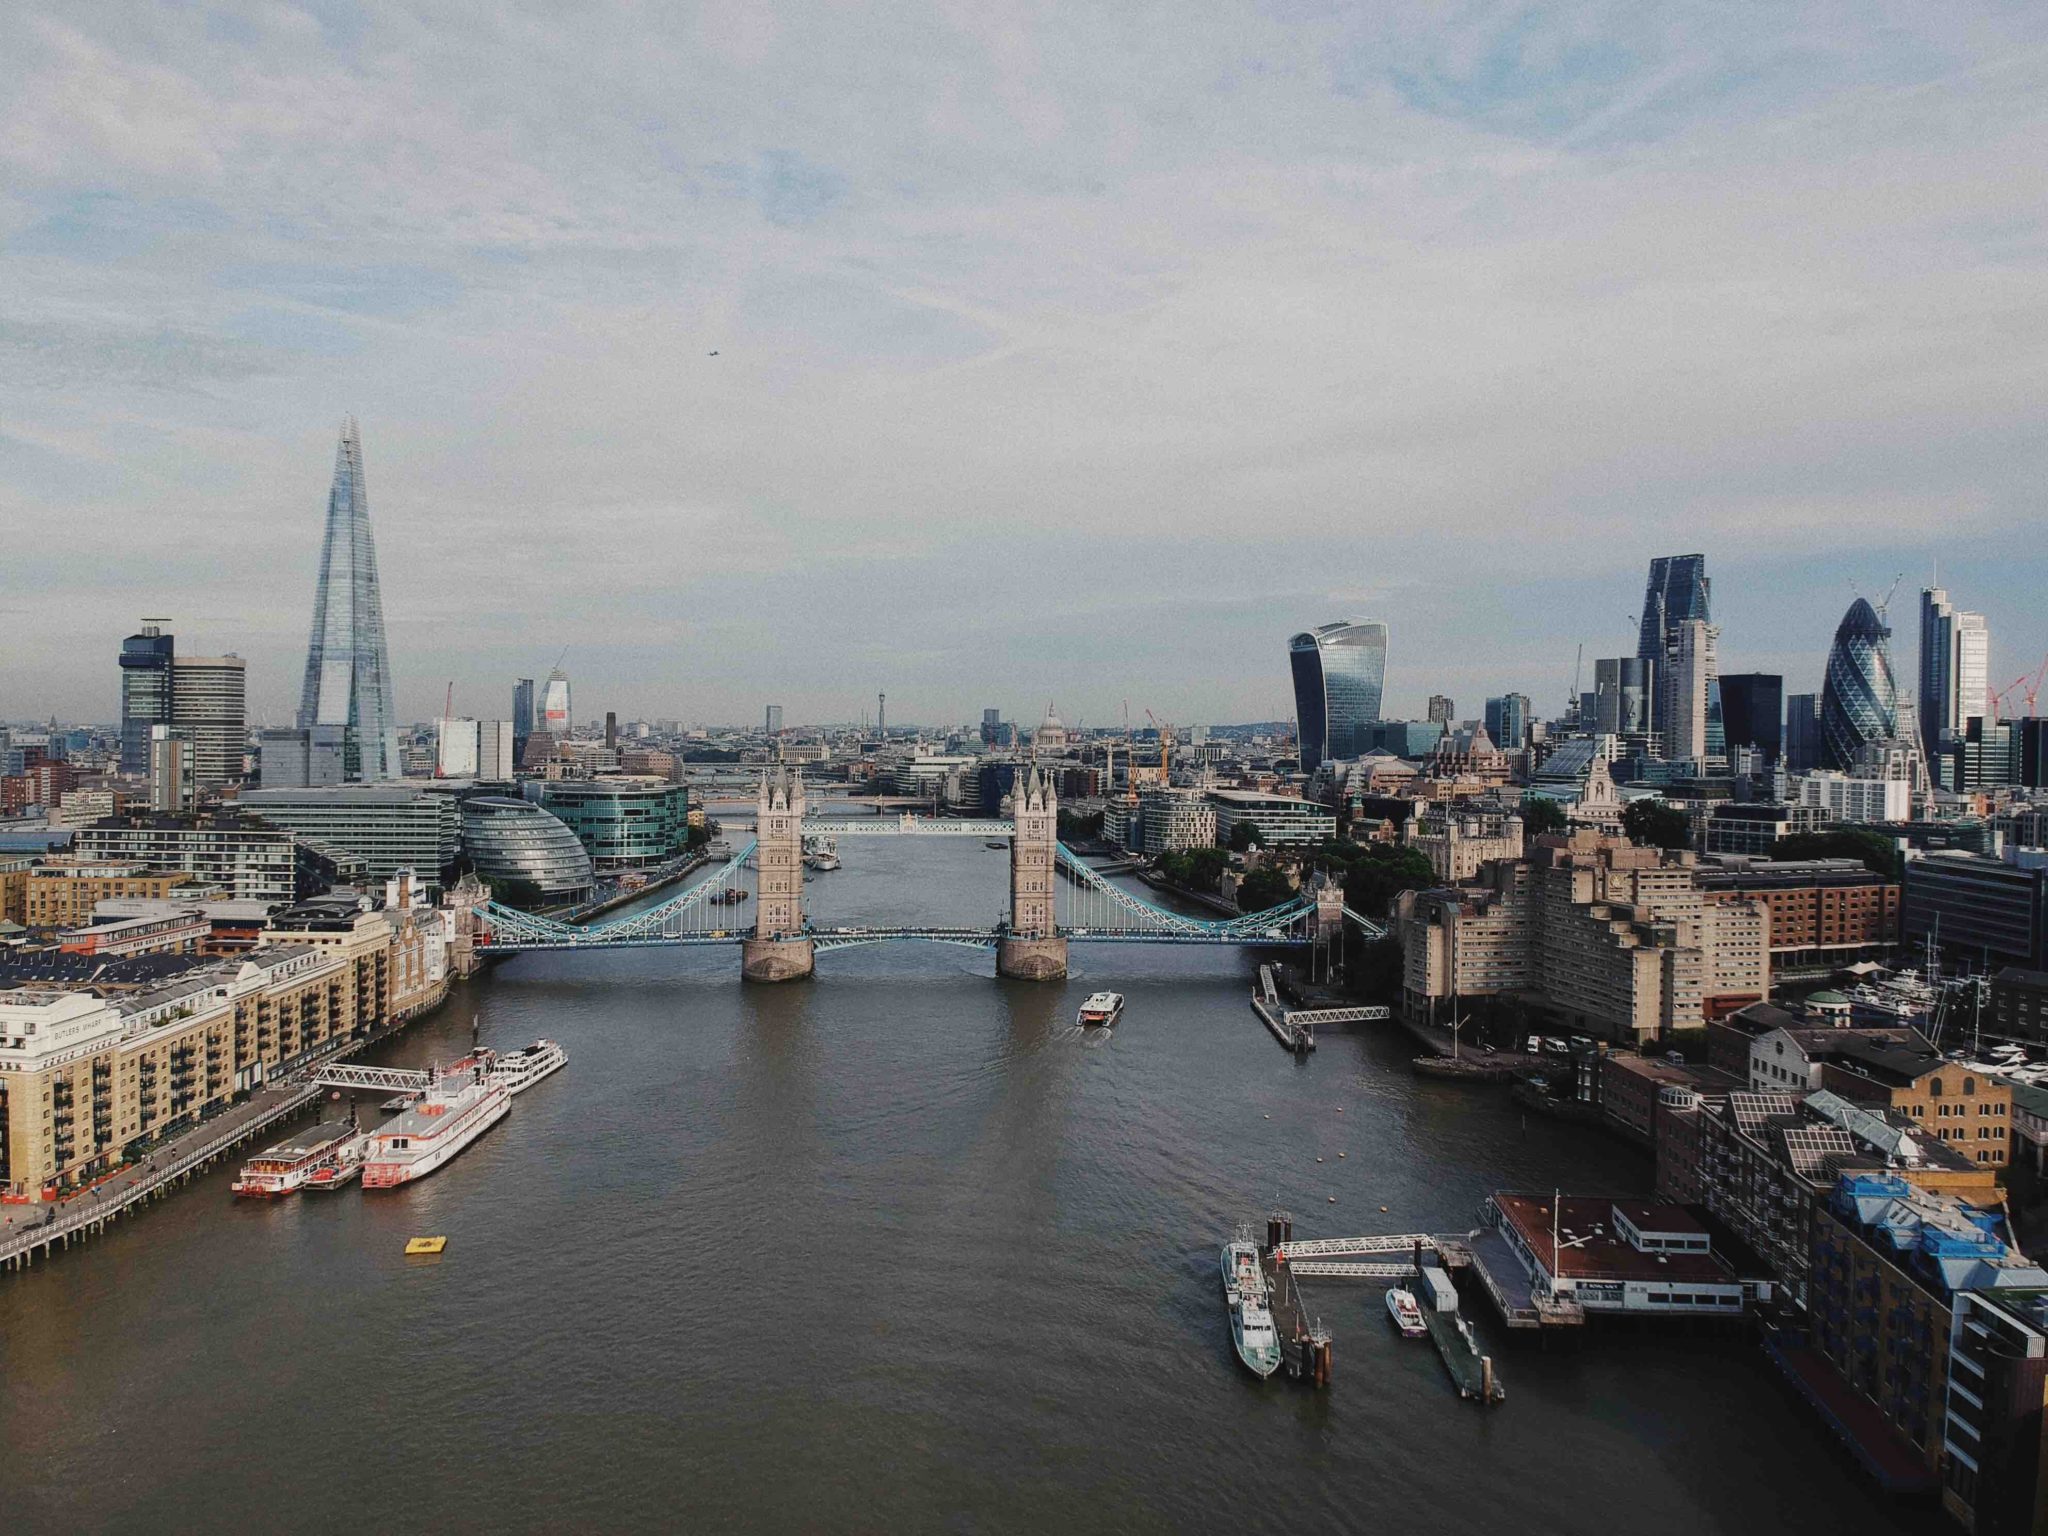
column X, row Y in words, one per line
column 1407, row 1315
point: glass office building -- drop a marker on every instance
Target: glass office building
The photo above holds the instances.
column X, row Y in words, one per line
column 1340, row 673
column 1859, row 701
column 1753, row 712
column 348, row 670
column 1677, row 591
column 145, row 694
column 628, row 822
column 518, row 844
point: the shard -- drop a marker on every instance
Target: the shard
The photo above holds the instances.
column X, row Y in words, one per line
column 348, row 670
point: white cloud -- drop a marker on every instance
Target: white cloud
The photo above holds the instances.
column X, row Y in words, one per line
column 1448, row 305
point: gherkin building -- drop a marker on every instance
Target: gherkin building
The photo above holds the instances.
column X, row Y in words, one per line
column 1859, row 701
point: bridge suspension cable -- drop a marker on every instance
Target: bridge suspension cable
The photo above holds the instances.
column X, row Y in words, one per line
column 698, row 916
column 1092, row 908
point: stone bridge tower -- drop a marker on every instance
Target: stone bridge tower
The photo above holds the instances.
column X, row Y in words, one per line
column 778, row 951
column 1032, row 949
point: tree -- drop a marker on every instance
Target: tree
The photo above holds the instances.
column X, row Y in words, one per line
column 1382, row 871
column 1656, row 824
column 1196, row 868
column 1243, row 834
column 1877, row 851
column 1541, row 814
column 1263, row 887
column 1075, row 828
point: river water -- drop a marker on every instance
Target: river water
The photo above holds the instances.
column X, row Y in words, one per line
column 899, row 1248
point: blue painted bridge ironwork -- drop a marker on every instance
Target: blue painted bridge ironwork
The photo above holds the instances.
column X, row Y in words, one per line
column 1091, row 910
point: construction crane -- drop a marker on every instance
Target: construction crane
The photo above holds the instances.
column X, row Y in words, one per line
column 440, row 749
column 2027, row 686
column 1165, row 737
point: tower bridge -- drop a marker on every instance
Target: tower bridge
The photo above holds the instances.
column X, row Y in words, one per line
column 1046, row 913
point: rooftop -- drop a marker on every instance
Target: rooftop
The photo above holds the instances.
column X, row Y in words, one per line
column 1598, row 1251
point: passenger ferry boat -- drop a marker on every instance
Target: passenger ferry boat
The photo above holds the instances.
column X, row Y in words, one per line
column 459, row 1106
column 1103, row 1008
column 343, row 1170
column 290, row 1165
column 821, row 853
column 522, row 1069
column 1251, row 1318
column 1406, row 1313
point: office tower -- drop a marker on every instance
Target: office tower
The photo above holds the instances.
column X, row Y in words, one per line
column 1677, row 591
column 1442, row 711
column 1689, row 674
column 207, row 695
column 1507, row 721
column 295, row 759
column 173, row 781
column 611, row 729
column 773, row 724
column 1753, row 711
column 1340, row 672
column 348, row 671
column 2032, row 731
column 471, row 749
column 554, row 705
column 991, row 727
column 145, row 693
column 522, row 709
column 1802, row 732
column 1955, row 669
column 1859, row 701
column 1625, row 698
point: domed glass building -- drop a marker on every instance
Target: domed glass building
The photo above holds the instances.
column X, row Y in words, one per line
column 1859, row 700
column 515, row 843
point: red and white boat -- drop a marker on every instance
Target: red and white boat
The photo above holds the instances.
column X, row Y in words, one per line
column 456, row 1108
column 292, row 1165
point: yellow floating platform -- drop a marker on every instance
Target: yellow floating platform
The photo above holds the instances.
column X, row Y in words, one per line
column 425, row 1244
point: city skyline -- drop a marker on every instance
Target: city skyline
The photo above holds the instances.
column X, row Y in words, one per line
column 1451, row 321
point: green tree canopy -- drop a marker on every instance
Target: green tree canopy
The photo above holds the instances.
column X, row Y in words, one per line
column 1541, row 814
column 1263, row 887
column 1656, row 824
column 1243, row 834
column 1196, row 868
column 1873, row 848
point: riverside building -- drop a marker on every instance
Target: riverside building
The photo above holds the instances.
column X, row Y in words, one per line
column 241, row 854
column 624, row 822
column 389, row 827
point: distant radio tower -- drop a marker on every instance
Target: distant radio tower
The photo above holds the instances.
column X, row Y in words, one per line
column 881, row 714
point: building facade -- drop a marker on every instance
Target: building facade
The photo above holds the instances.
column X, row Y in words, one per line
column 223, row 850
column 1859, row 702
column 348, row 681
column 389, row 827
column 625, row 823
column 145, row 693
column 516, row 844
column 1339, row 673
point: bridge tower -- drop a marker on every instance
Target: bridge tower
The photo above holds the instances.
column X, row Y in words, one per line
column 778, row 951
column 1032, row 949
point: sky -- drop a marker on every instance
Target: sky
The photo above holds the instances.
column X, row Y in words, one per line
column 990, row 354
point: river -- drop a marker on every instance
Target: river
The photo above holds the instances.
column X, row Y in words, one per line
column 898, row 1248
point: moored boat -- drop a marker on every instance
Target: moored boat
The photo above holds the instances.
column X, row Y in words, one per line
column 1406, row 1313
column 523, row 1068
column 1251, row 1317
column 1103, row 1008
column 289, row 1166
column 459, row 1106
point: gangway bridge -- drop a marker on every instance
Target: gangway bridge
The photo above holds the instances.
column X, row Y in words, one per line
column 1045, row 914
column 373, row 1079
column 1372, row 1258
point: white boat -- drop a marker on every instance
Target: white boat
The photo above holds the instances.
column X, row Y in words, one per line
column 343, row 1169
column 457, row 1107
column 522, row 1069
column 290, row 1165
column 1251, row 1317
column 1407, row 1315
column 1103, row 1008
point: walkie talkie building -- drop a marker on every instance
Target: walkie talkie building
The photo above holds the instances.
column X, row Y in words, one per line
column 348, row 670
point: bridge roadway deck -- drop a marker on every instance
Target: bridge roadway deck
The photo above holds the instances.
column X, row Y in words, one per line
column 828, row 939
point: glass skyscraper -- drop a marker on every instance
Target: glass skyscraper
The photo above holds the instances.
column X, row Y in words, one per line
column 145, row 694
column 1753, row 712
column 1677, row 590
column 1859, row 701
column 348, row 670
column 1955, row 669
column 1340, row 674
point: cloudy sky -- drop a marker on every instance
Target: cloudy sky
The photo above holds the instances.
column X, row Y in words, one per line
column 1070, row 351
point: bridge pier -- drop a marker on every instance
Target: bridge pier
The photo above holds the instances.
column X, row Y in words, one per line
column 777, row 959
column 1028, row 959
column 1032, row 950
column 779, row 910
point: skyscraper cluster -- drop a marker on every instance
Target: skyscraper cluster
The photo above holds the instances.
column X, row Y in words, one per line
column 196, row 702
